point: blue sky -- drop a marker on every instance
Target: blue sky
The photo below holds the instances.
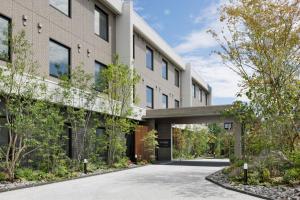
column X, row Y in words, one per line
column 184, row 25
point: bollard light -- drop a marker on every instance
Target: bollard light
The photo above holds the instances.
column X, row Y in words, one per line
column 245, row 173
column 85, row 162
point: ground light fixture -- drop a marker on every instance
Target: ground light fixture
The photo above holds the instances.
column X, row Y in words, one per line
column 245, row 173
column 85, row 162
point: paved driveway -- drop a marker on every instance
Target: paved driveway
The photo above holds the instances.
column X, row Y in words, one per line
column 161, row 182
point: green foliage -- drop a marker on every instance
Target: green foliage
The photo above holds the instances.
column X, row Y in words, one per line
column 122, row 163
column 292, row 175
column 2, row 176
column 264, row 51
column 150, row 144
column 265, row 175
column 119, row 80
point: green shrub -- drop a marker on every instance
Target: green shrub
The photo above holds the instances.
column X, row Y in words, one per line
column 122, row 163
column 26, row 174
column 61, row 171
column 253, row 178
column 265, row 175
column 291, row 175
column 2, row 176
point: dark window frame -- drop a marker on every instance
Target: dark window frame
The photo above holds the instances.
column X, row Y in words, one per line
column 152, row 58
column 167, row 69
column 105, row 66
column 194, row 91
column 69, row 58
column 69, row 8
column 133, row 48
column 152, row 96
column 177, row 77
column 100, row 10
column 201, row 94
column 9, row 20
column 167, row 100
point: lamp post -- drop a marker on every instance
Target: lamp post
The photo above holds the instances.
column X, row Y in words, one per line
column 85, row 162
column 245, row 173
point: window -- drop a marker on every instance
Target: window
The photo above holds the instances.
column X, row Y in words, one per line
column 201, row 95
column 177, row 80
column 4, row 137
column 177, row 103
column 149, row 58
column 67, row 140
column 61, row 5
column 4, row 38
column 133, row 41
column 59, row 59
column 164, row 69
column 194, row 91
column 101, row 23
column 164, row 101
column 149, row 92
column 206, row 99
column 100, row 85
column 100, row 131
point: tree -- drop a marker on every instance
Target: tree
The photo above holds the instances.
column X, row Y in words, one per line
column 118, row 81
column 25, row 107
column 263, row 47
column 78, row 98
column 150, row 144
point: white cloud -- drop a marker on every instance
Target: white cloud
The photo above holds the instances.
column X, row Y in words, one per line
column 167, row 12
column 224, row 81
column 196, row 40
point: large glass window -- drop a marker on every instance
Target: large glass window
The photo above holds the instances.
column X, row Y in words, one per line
column 177, row 79
column 164, row 101
column 101, row 23
column 149, row 93
column 61, row 5
column 4, row 38
column 177, row 104
column 100, row 84
column 164, row 69
column 59, row 60
column 149, row 58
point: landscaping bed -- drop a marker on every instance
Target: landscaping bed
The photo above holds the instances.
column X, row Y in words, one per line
column 262, row 191
column 19, row 184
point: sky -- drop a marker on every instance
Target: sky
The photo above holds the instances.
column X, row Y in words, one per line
column 184, row 24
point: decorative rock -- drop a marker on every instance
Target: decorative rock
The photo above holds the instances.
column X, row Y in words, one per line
column 267, row 192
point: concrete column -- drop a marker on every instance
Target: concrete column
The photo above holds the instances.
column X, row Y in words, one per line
column 186, row 86
column 237, row 130
column 124, row 34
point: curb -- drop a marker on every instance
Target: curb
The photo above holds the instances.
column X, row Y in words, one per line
column 65, row 180
column 234, row 189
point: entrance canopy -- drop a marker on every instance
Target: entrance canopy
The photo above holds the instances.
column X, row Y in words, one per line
column 162, row 120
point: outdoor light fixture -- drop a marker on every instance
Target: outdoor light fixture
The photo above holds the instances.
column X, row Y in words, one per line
column 40, row 26
column 88, row 53
column 25, row 18
column 228, row 125
column 85, row 162
column 79, row 48
column 245, row 173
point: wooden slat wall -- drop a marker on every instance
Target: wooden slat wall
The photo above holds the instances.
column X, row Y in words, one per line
column 140, row 132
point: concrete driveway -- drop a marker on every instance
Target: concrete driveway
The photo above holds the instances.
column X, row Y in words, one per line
column 161, row 182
